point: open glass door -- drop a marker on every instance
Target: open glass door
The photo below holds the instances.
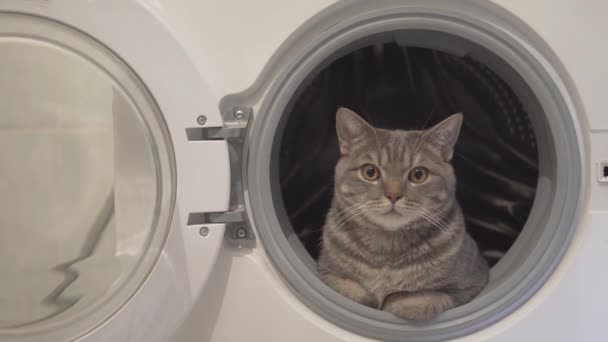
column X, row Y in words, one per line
column 87, row 183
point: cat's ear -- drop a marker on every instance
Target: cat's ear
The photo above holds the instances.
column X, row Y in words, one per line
column 445, row 134
column 351, row 129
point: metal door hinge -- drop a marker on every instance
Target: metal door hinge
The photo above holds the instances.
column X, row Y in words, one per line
column 236, row 123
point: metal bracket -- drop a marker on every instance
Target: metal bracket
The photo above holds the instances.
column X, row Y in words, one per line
column 238, row 229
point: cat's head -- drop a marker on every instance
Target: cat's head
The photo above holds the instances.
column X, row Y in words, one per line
column 394, row 178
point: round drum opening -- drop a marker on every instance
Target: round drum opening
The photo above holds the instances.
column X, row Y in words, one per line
column 407, row 67
column 88, row 181
column 411, row 88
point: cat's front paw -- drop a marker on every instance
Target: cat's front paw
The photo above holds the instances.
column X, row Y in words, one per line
column 351, row 290
column 418, row 306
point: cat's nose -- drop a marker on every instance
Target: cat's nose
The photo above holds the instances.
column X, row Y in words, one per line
column 393, row 196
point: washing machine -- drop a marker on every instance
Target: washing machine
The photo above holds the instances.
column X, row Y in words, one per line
column 165, row 164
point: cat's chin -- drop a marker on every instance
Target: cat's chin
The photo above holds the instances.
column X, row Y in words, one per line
column 392, row 221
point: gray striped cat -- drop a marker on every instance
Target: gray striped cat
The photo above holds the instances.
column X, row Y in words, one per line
column 395, row 238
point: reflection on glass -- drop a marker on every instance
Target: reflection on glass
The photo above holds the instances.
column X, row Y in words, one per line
column 77, row 184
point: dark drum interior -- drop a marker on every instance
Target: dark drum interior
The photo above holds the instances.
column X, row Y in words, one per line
column 392, row 86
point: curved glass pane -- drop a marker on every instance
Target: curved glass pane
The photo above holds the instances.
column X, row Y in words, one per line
column 78, row 184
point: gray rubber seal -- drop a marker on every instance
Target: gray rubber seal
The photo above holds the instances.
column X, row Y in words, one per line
column 502, row 42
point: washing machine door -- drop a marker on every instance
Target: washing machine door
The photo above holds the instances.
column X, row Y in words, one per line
column 104, row 186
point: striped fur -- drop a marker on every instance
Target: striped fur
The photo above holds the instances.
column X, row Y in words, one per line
column 413, row 258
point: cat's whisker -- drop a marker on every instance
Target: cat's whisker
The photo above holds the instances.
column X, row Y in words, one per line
column 434, row 214
column 352, row 207
column 348, row 216
column 348, row 213
column 430, row 211
column 357, row 214
column 366, row 208
column 437, row 221
column 432, row 221
column 430, row 217
column 348, row 210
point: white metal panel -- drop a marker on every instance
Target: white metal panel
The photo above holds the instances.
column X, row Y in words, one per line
column 571, row 306
column 235, row 58
column 576, row 31
column 289, row 318
column 230, row 42
column 254, row 304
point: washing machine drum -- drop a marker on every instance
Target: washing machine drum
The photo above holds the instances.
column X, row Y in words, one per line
column 495, row 161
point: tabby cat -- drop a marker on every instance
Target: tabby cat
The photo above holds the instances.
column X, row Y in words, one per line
column 395, row 238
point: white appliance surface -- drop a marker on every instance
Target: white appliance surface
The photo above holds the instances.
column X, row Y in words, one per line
column 214, row 48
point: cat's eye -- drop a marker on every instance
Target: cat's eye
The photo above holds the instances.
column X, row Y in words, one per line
column 418, row 175
column 370, row 172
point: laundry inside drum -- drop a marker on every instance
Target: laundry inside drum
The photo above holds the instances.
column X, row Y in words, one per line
column 404, row 87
